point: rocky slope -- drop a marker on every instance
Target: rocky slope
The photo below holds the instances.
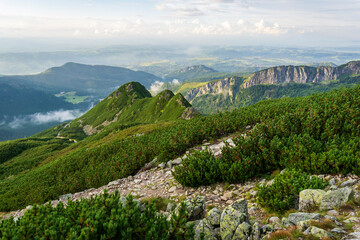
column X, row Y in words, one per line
column 226, row 86
column 224, row 211
column 301, row 74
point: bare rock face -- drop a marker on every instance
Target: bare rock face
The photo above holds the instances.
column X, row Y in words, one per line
column 228, row 86
column 301, row 74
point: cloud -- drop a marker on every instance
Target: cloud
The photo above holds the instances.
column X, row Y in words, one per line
column 159, row 86
column 42, row 118
column 262, row 27
column 156, row 87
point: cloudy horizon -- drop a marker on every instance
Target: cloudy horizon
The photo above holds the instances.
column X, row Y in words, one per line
column 241, row 22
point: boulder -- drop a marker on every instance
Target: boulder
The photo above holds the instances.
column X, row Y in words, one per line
column 206, row 230
column 195, row 207
column 274, row 220
column 242, row 231
column 232, row 216
column 303, row 225
column 214, row 216
column 319, row 233
column 256, row 231
column 310, row 199
column 348, row 183
column 177, row 161
column 336, row 198
column 294, row 218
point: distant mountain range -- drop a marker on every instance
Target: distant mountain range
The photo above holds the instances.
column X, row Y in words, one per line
column 190, row 72
column 276, row 82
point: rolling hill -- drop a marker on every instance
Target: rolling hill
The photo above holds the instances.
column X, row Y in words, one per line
column 85, row 79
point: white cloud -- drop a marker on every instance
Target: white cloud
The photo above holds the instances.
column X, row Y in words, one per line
column 156, row 87
column 41, row 118
column 262, row 27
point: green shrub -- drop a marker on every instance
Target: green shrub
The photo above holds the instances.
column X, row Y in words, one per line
column 283, row 193
column 102, row 217
column 202, row 169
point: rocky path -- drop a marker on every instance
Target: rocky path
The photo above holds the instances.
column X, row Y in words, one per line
column 157, row 181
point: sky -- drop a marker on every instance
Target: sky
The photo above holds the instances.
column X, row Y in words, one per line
column 225, row 22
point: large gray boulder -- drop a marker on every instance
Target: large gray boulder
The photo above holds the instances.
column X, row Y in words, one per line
column 214, row 217
column 256, row 231
column 232, row 216
column 336, row 198
column 242, row 232
column 206, row 229
column 310, row 199
column 294, row 218
column 319, row 233
column 195, row 207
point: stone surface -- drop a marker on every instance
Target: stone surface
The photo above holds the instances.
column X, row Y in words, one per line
column 256, row 231
column 332, row 182
column 338, row 231
column 274, row 220
column 336, row 198
column 172, row 189
column 310, row 199
column 332, row 213
column 294, row 218
column 348, row 183
column 214, row 216
column 195, row 207
column 242, row 231
column 206, row 229
column 231, row 217
column 319, row 233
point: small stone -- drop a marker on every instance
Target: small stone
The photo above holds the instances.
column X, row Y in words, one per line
column 223, row 198
column 228, row 195
column 162, row 165
column 137, row 181
column 172, row 189
column 348, row 183
column 332, row 213
column 352, row 220
column 332, row 218
column 113, row 183
column 332, row 182
column 274, row 220
column 170, row 207
column 169, row 164
column 338, row 231
column 65, row 197
column 177, row 161
column 229, row 201
column 267, row 228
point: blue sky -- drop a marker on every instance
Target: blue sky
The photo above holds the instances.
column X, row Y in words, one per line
column 235, row 22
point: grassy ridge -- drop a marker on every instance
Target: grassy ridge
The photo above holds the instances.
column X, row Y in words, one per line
column 97, row 161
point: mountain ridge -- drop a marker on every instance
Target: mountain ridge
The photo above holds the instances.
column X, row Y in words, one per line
column 301, row 74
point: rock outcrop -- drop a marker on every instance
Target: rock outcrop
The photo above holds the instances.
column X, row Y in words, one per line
column 226, row 86
column 301, row 74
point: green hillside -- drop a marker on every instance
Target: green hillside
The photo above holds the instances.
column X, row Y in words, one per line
column 130, row 105
column 325, row 124
column 16, row 99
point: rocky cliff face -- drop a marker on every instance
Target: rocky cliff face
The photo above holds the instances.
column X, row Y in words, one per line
column 301, row 74
column 227, row 86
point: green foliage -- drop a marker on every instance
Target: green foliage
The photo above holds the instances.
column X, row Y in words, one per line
column 283, row 193
column 102, row 217
column 202, row 169
column 316, row 134
column 130, row 105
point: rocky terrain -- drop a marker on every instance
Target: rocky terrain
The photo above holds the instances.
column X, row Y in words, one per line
column 301, row 74
column 226, row 86
column 230, row 211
